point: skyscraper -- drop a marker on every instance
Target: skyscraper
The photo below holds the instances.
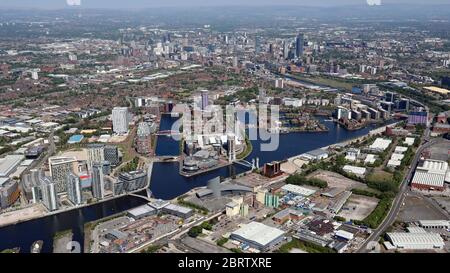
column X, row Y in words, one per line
column 96, row 154
column 111, row 154
column 98, row 182
column 48, row 191
column 204, row 99
column 299, row 45
column 285, row 49
column 231, row 147
column 120, row 119
column 60, row 167
column 74, row 189
column 257, row 45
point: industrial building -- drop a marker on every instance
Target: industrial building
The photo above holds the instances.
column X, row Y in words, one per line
column 298, row 190
column 9, row 163
column 317, row 154
column 430, row 175
column 141, row 212
column 360, row 171
column 415, row 240
column 178, row 211
column 380, row 144
column 258, row 235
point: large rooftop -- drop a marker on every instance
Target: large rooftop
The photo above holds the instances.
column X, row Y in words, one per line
column 258, row 233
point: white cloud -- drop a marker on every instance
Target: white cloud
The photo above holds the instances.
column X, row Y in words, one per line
column 73, row 2
column 374, row 2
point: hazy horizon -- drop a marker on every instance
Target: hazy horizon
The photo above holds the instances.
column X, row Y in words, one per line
column 139, row 4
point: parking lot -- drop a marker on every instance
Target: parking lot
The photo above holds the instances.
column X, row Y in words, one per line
column 358, row 207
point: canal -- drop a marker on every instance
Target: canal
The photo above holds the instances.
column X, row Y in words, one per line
column 166, row 183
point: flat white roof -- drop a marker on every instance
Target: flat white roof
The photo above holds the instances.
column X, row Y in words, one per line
column 426, row 223
column 354, row 169
column 428, row 179
column 141, row 210
column 298, row 190
column 397, row 157
column 401, row 149
column 380, row 144
column 435, row 166
column 258, row 233
column 8, row 163
column 401, row 239
column 409, row 141
column 394, row 162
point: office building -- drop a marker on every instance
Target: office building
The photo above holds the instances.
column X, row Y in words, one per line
column 231, row 148
column 299, row 45
column 60, row 167
column 111, row 154
column 74, row 193
column 132, row 181
column 204, row 95
column 98, row 181
column 9, row 192
column 96, row 154
column 418, row 118
column 120, row 118
column 49, row 193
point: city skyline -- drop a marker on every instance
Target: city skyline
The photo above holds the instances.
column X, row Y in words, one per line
column 138, row 4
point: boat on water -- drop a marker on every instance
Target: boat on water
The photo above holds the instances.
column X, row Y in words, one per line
column 36, row 247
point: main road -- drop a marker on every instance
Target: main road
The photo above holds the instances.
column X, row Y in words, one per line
column 399, row 199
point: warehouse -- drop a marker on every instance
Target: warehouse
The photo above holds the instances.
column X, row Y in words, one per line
column 435, row 224
column 360, row 171
column 9, row 163
column 141, row 212
column 380, row 144
column 258, row 235
column 430, row 175
column 178, row 211
column 298, row 190
column 406, row 240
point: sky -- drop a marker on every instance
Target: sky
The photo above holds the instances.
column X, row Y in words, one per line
column 54, row 4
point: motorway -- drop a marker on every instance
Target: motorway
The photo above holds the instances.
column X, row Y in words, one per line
column 399, row 199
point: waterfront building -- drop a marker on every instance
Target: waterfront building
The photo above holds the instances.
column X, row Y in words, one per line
column 143, row 140
column 49, row 193
column 74, row 193
column 178, row 211
column 231, row 148
column 121, row 118
column 60, row 167
column 132, row 181
column 272, row 169
column 9, row 192
column 98, row 181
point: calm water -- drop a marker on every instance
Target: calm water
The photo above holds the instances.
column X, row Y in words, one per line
column 166, row 183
